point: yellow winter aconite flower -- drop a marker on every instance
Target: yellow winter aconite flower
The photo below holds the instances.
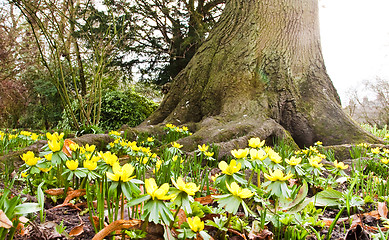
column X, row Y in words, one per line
column 46, row 169
column 195, row 224
column 213, row 178
column 123, row 143
column 109, row 158
column 256, row 142
column 158, row 165
column 32, row 161
column 231, row 168
column 24, row 174
column 48, row 156
column 385, row 150
column 322, row 156
column 240, row 153
column 114, row 133
column 176, row 145
column 143, row 160
column 90, row 148
column 72, row 164
column 170, row 125
column 209, row 154
column 150, row 139
column 238, row 191
column 277, row 175
column 364, row 145
column 340, row 165
column 158, row 193
column 54, row 136
column 184, row 128
column 111, row 144
column 34, row 136
column 293, row 161
column 54, row 145
column 203, row 148
column 135, row 148
column 25, row 133
column 385, row 160
column 375, row 150
column 315, row 162
column 145, row 150
column 189, row 188
column 274, row 156
column 90, row 165
column 313, row 149
column 74, row 146
column 29, row 158
column 257, row 154
column 27, row 155
column 318, row 143
column 94, row 158
column 121, row 173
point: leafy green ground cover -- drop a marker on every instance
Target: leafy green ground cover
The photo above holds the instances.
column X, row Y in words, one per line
column 259, row 192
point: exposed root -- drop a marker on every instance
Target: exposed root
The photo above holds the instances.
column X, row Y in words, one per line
column 234, row 134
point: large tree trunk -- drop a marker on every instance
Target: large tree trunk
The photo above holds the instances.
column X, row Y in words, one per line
column 260, row 72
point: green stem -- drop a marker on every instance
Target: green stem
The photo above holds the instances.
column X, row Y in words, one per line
column 251, row 178
column 175, row 215
column 122, row 207
column 122, row 214
column 226, row 225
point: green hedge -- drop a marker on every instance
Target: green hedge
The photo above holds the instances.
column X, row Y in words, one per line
column 119, row 108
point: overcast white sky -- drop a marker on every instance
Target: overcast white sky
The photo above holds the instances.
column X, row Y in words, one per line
column 355, row 41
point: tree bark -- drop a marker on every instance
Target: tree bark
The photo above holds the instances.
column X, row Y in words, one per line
column 260, row 73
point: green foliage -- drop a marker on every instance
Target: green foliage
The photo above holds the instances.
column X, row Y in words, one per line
column 382, row 132
column 119, row 108
column 44, row 109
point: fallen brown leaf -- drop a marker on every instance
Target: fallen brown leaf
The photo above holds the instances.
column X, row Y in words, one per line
column 74, row 194
column 205, row 200
column 67, row 205
column 4, row 220
column 237, row 233
column 263, row 235
column 95, row 219
column 118, row 225
column 55, row 191
column 23, row 219
column 382, row 209
column 77, row 230
column 66, row 147
column 181, row 217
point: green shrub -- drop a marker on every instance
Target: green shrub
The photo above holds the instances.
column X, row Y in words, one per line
column 118, row 108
